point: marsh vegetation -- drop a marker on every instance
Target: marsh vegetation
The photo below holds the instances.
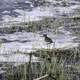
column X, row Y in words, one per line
column 24, row 53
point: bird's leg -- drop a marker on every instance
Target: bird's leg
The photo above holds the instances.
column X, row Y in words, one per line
column 54, row 44
column 48, row 45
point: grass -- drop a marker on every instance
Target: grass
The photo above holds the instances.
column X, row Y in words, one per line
column 56, row 63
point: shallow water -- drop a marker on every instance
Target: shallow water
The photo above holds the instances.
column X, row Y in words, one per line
column 29, row 41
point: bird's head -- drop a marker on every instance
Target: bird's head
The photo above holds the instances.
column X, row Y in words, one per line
column 45, row 35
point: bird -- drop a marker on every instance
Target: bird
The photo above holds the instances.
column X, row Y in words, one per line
column 47, row 39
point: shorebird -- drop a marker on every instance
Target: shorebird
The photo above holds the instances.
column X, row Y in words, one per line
column 47, row 39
